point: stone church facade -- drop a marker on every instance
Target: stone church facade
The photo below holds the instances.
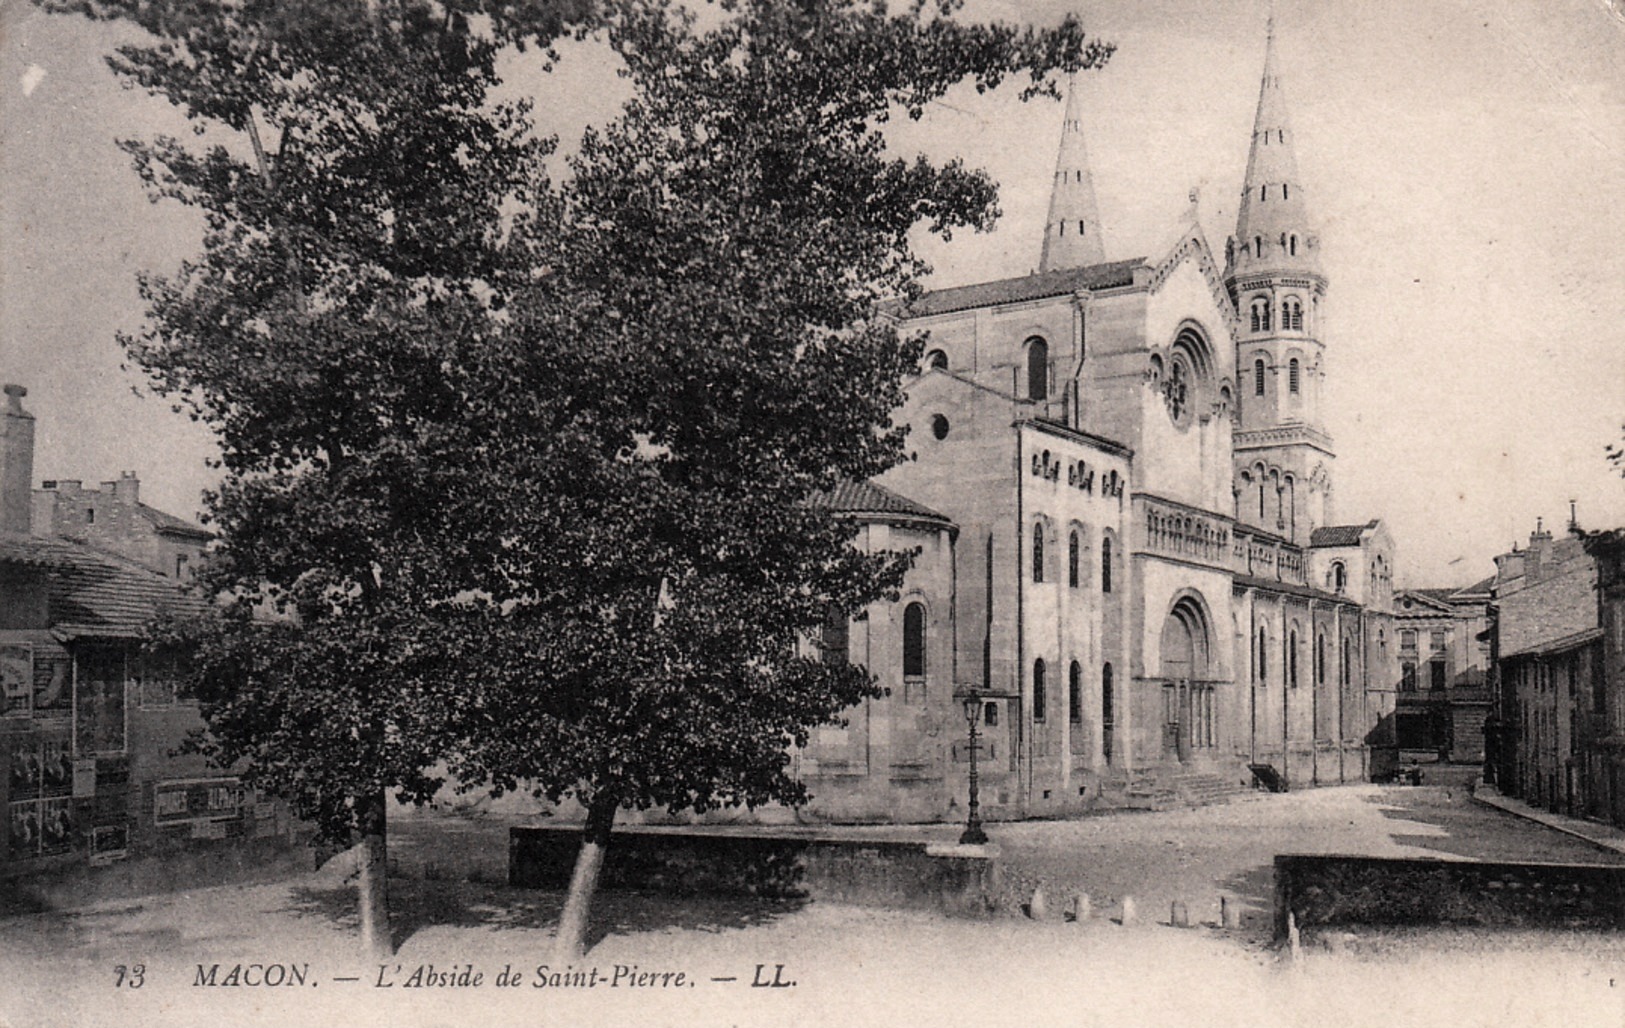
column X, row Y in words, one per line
column 1122, row 491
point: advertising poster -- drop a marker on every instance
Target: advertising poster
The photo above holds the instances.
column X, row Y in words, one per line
column 58, row 827
column 109, row 843
column 53, row 684
column 23, row 829
column 56, row 765
column 23, row 761
column 16, row 680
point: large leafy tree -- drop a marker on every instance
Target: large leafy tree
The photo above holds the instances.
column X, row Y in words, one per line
column 706, row 352
column 353, row 177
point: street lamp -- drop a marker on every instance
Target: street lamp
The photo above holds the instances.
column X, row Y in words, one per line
column 973, row 834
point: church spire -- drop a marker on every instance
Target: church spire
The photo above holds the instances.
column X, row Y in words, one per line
column 1072, row 232
column 1273, row 231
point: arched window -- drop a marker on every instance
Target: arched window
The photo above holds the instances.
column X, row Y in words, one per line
column 1108, row 711
column 1072, row 561
column 1038, row 553
column 1040, row 700
column 1292, row 659
column 1258, row 377
column 1263, row 192
column 1320, row 659
column 1340, row 577
column 1347, row 663
column 1080, row 228
column 1037, row 369
column 1258, row 246
column 1263, row 658
column 1285, row 191
column 937, row 360
column 1292, row 374
column 1259, row 314
column 914, row 641
column 1292, row 244
column 1106, row 565
column 1074, row 694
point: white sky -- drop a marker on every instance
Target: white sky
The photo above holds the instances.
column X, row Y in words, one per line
column 1463, row 160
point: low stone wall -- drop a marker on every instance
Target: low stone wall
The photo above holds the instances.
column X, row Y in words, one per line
column 1344, row 890
column 198, row 865
column 782, row 865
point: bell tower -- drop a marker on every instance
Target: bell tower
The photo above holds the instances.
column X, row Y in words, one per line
column 1284, row 455
column 1072, row 231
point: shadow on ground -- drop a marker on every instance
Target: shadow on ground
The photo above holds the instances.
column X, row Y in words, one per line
column 417, row 905
column 1472, row 830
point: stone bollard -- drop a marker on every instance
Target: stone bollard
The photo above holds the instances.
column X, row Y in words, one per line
column 1129, row 914
column 1293, row 941
column 1178, row 916
column 1038, row 906
column 1079, row 908
column 1229, row 913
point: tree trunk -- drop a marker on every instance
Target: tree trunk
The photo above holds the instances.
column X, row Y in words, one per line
column 372, row 883
column 570, row 944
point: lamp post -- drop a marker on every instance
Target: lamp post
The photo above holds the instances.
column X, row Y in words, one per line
column 973, row 834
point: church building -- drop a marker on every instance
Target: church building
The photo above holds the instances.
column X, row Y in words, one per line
column 1122, row 491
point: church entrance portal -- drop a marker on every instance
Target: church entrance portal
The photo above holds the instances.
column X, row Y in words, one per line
column 1187, row 689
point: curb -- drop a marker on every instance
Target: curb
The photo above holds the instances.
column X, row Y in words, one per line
column 1556, row 822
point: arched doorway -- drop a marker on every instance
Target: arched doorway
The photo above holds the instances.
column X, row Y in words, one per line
column 1187, row 689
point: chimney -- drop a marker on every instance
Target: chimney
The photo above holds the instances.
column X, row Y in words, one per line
column 127, row 488
column 1540, row 547
column 16, row 463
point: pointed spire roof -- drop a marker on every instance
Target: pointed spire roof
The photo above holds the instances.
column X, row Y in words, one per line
column 1072, row 231
column 1273, row 229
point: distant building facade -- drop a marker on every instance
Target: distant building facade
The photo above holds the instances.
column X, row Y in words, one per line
column 1554, row 737
column 114, row 518
column 1444, row 673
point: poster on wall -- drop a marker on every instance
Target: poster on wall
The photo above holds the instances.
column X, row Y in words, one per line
column 109, row 843
column 16, row 681
column 23, row 761
column 56, row 765
column 84, row 778
column 53, row 685
column 22, row 828
column 58, row 827
column 100, row 710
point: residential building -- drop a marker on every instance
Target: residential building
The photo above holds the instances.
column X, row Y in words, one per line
column 91, row 719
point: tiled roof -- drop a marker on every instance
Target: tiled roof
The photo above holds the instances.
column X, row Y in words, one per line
column 170, row 523
column 1441, row 595
column 1567, row 642
column 1027, row 287
column 1481, row 586
column 868, row 498
column 96, row 594
column 16, row 548
column 1339, row 535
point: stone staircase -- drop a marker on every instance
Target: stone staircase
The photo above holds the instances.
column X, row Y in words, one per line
column 1167, row 790
column 1200, row 789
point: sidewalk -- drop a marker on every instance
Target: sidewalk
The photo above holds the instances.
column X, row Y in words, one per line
column 1597, row 834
